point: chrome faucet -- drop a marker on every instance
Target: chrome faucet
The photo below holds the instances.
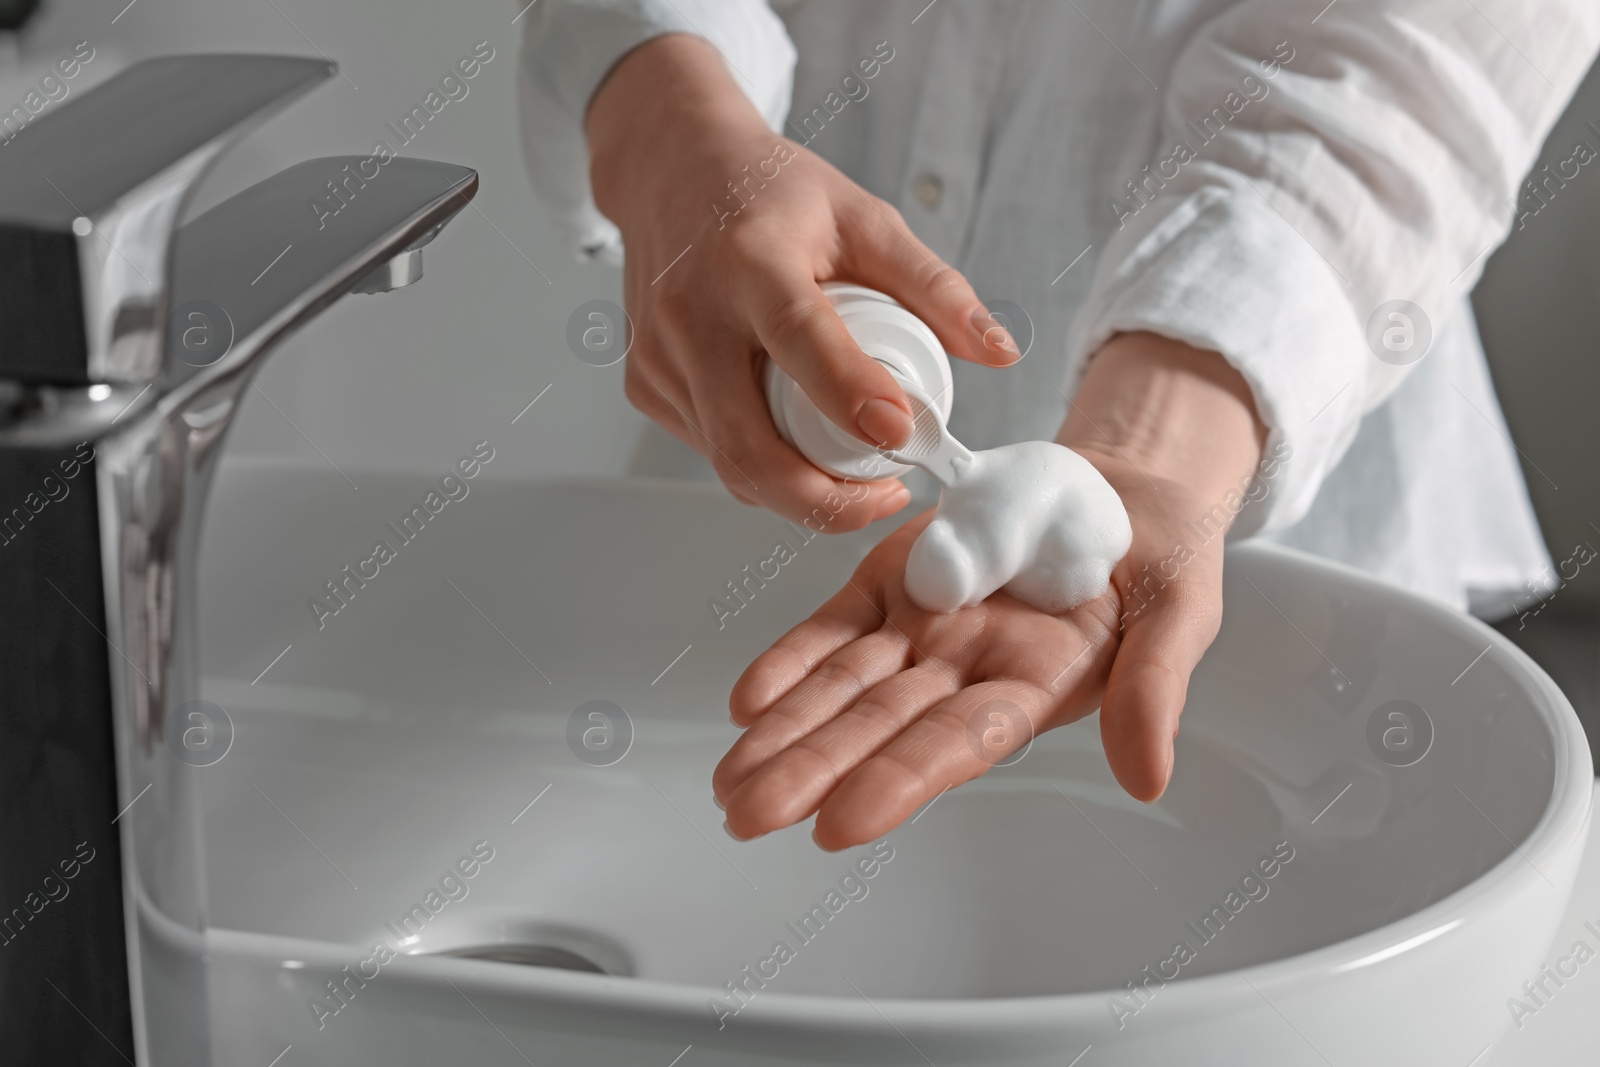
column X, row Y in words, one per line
column 125, row 344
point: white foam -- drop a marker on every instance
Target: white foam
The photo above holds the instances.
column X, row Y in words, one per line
column 1035, row 519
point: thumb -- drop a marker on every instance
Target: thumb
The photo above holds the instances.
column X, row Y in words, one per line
column 803, row 335
column 1149, row 682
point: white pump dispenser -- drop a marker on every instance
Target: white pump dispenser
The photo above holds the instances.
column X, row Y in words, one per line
column 1033, row 518
column 894, row 337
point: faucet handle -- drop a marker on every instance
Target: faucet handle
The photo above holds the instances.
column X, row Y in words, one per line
column 90, row 194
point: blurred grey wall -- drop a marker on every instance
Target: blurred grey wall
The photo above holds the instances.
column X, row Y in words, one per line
column 408, row 379
column 1539, row 313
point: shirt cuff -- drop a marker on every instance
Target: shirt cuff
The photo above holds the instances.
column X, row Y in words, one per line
column 1221, row 270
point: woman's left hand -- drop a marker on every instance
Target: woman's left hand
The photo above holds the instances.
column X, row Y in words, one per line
column 874, row 706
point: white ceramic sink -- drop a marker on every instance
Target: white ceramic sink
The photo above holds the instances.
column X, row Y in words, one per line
column 428, row 713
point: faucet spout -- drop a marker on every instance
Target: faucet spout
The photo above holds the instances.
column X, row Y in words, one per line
column 245, row 274
column 403, row 270
column 267, row 260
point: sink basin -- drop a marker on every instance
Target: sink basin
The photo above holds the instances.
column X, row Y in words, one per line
column 1377, row 815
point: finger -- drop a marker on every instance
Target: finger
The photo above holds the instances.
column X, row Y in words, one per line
column 848, row 615
column 834, row 686
column 778, row 779
column 797, row 326
column 957, row 741
column 657, row 392
column 733, row 476
column 655, row 387
column 747, row 453
column 883, row 252
column 649, row 393
column 1149, row 681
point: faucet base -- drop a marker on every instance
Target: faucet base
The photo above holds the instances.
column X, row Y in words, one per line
column 63, row 957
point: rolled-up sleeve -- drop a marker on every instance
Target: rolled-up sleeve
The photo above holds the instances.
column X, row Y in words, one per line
column 569, row 46
column 1334, row 164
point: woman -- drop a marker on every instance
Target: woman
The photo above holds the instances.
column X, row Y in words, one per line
column 1250, row 221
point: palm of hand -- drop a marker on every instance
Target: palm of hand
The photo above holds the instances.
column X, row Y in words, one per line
column 874, row 706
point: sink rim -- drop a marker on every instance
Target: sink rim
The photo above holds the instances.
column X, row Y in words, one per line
column 1560, row 828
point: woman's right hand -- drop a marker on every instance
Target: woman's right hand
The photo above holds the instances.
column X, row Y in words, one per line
column 715, row 279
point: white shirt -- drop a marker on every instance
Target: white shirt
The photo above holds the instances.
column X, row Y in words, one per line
column 1250, row 177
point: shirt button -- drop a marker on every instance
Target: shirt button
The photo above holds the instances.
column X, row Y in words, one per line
column 928, row 189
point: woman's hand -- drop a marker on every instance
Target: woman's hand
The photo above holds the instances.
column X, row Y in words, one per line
column 728, row 229
column 874, row 706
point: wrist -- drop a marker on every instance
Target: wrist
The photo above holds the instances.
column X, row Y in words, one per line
column 1170, row 410
column 667, row 109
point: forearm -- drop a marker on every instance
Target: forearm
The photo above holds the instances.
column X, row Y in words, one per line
column 1170, row 410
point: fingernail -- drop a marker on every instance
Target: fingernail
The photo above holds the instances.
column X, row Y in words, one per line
column 995, row 337
column 884, row 422
column 729, row 831
column 1172, row 763
column 720, row 807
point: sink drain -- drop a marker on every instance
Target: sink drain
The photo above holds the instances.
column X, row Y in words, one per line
column 555, row 946
column 529, row 956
